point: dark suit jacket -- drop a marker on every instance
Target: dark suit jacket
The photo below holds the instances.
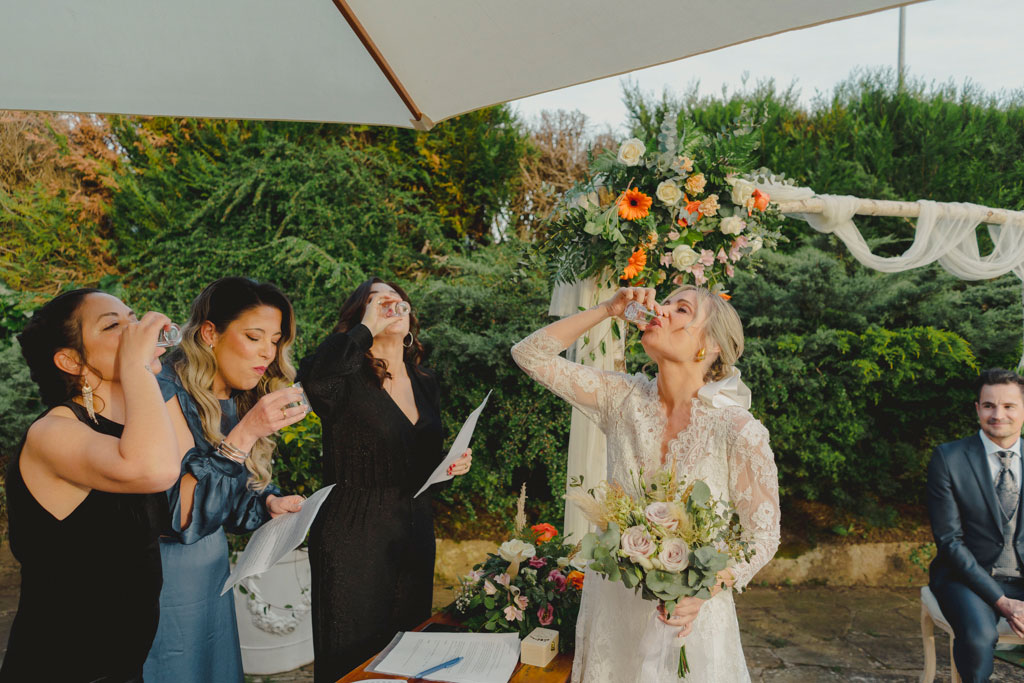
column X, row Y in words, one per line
column 965, row 516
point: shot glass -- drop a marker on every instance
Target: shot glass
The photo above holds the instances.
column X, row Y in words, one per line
column 169, row 336
column 304, row 401
column 397, row 309
column 638, row 314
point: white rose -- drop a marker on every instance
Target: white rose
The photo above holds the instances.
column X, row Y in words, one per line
column 669, row 193
column 516, row 550
column 637, row 544
column 662, row 514
column 684, row 256
column 562, row 562
column 674, row 555
column 733, row 225
column 631, row 151
column 755, row 243
column 741, row 192
column 578, row 563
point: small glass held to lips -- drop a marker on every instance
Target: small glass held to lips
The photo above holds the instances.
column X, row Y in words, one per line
column 303, row 401
column 397, row 309
column 169, row 336
column 638, row 314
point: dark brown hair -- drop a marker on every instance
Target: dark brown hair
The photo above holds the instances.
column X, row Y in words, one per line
column 57, row 325
column 352, row 312
column 994, row 376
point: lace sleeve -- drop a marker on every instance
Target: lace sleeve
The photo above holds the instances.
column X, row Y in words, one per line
column 588, row 389
column 754, row 489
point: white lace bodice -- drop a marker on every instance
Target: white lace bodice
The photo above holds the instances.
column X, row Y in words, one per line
column 723, row 445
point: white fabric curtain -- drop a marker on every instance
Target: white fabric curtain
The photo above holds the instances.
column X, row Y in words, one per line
column 587, row 449
column 945, row 233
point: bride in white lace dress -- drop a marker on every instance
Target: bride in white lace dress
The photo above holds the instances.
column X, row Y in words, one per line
column 694, row 416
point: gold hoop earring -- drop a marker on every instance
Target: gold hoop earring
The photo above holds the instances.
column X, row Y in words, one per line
column 411, row 340
column 700, row 355
column 87, row 399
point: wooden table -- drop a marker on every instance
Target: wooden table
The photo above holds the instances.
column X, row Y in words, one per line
column 557, row 671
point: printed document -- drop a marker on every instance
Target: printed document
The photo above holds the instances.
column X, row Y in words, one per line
column 458, row 448
column 486, row 657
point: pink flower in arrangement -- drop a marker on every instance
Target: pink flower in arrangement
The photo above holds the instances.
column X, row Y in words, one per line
column 672, row 235
column 513, row 614
column 698, row 273
column 475, row 575
column 734, row 252
column 729, row 270
column 707, row 258
column 666, row 258
column 546, row 614
column 503, row 579
column 537, row 562
column 558, row 578
column 489, row 588
column 722, row 258
column 521, row 601
column 677, row 280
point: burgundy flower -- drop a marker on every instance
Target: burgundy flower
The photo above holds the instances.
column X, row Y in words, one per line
column 546, row 614
column 558, row 578
column 537, row 562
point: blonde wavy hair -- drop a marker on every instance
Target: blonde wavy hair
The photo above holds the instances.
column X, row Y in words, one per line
column 721, row 325
column 222, row 302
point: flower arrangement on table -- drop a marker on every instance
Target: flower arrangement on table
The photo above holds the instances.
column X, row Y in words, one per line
column 678, row 209
column 533, row 580
column 667, row 540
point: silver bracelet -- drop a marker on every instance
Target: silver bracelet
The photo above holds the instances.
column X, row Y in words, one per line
column 232, row 452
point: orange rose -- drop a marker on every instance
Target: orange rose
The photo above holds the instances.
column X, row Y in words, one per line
column 575, row 579
column 634, row 205
column 636, row 264
column 544, row 532
column 760, row 200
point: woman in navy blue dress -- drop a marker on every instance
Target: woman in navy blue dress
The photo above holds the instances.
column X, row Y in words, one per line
column 227, row 390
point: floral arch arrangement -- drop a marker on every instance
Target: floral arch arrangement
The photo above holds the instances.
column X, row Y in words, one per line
column 677, row 208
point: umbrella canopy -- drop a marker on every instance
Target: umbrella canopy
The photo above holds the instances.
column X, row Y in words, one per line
column 394, row 62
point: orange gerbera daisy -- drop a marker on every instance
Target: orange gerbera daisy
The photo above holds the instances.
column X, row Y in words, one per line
column 634, row 205
column 636, row 264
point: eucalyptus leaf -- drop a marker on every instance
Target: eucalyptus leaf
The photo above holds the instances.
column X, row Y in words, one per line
column 701, row 493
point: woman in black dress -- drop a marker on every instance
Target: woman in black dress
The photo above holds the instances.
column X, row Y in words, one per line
column 85, row 494
column 372, row 545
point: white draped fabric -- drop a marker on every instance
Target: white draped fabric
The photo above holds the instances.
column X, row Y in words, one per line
column 599, row 349
column 946, row 233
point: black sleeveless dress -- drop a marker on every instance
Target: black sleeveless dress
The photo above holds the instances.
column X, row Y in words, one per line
column 90, row 583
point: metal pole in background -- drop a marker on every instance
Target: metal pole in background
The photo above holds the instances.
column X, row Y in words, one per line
column 901, row 63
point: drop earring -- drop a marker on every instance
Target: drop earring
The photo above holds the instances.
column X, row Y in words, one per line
column 87, row 399
column 700, row 355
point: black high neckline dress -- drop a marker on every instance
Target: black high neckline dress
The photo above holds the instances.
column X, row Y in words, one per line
column 371, row 546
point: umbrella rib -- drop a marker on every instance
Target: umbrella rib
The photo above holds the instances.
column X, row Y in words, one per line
column 385, row 68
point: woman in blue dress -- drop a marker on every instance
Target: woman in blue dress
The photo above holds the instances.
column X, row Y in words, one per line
column 227, row 390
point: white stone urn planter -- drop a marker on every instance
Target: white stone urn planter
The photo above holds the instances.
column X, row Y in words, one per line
column 275, row 626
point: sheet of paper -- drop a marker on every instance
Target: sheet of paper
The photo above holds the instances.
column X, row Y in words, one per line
column 275, row 539
column 486, row 657
column 458, row 448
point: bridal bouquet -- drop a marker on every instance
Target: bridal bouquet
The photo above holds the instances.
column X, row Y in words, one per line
column 667, row 541
column 533, row 580
column 677, row 207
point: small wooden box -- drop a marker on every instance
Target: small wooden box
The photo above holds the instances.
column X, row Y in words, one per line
column 539, row 648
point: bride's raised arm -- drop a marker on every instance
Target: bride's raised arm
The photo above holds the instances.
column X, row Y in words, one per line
column 584, row 387
column 754, row 490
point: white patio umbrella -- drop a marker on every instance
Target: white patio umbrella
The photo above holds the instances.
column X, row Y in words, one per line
column 404, row 63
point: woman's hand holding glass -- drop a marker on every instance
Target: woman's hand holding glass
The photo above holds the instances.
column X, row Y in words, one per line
column 383, row 309
column 138, row 346
column 272, row 412
column 645, row 296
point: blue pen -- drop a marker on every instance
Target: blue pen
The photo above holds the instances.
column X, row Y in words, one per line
column 434, row 669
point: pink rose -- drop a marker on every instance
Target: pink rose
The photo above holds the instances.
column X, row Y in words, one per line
column 662, row 514
column 546, row 614
column 536, row 562
column 637, row 545
column 674, row 555
column 558, row 578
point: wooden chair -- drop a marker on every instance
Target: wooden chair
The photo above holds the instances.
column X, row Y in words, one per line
column 931, row 616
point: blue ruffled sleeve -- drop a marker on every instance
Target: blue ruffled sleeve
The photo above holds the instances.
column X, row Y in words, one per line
column 222, row 496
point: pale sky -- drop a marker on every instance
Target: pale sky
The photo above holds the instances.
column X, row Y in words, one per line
column 958, row 40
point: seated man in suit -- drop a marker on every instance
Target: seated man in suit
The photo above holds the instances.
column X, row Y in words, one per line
column 974, row 506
